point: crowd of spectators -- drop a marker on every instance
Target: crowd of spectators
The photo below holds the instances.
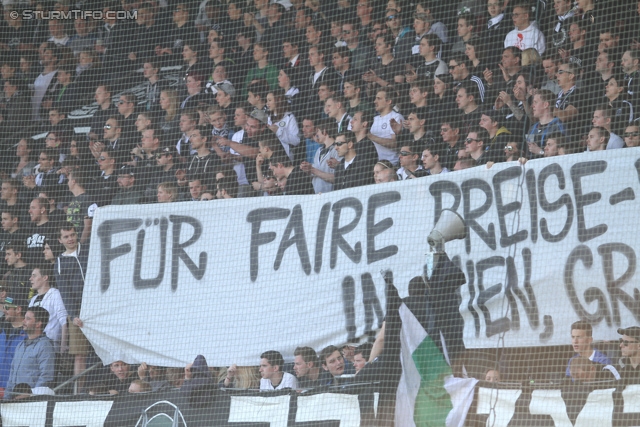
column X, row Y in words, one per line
column 196, row 101
column 295, row 97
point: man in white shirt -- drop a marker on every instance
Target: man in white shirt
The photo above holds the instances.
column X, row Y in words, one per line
column 271, row 363
column 526, row 34
column 381, row 132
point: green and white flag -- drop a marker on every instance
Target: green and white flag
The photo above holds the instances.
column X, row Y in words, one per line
column 428, row 394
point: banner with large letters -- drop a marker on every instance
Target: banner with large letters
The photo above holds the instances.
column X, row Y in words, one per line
column 549, row 242
column 500, row 406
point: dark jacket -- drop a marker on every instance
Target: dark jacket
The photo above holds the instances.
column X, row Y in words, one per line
column 16, row 114
column 70, row 274
column 359, row 173
column 201, row 388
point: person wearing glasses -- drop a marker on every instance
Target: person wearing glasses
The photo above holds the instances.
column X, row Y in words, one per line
column 629, row 364
column 45, row 171
column 106, row 109
column 403, row 35
column 105, row 185
column 354, row 169
column 128, row 192
column 112, row 139
column 409, row 161
column 632, row 136
column 526, row 34
column 477, row 145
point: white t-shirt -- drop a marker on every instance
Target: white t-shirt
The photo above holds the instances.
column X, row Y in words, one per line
column 288, row 381
column 382, row 129
column 40, row 86
column 239, row 167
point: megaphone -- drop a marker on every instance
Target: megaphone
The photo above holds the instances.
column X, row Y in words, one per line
column 449, row 227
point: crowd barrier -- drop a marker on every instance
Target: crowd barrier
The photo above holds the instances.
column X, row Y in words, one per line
column 492, row 405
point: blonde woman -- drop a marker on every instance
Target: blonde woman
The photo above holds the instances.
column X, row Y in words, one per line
column 170, row 122
column 167, row 192
column 239, row 377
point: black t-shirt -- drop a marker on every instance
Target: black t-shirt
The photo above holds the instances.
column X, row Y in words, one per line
column 469, row 121
column 34, row 242
column 5, row 239
column 581, row 124
column 298, row 183
column 627, row 371
column 19, row 285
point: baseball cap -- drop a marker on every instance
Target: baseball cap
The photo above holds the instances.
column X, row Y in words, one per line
column 260, row 115
column 633, row 332
column 227, row 88
column 14, row 302
column 169, row 150
column 127, row 170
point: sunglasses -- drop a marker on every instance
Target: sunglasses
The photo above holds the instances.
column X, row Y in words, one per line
column 102, row 158
column 384, row 165
column 470, row 140
column 630, row 134
column 626, row 343
column 391, row 17
column 7, row 307
column 340, row 144
column 406, row 153
column 509, row 147
column 107, row 127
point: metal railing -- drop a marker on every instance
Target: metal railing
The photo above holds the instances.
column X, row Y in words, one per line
column 76, row 377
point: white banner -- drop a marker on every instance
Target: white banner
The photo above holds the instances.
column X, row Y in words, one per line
column 549, row 243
